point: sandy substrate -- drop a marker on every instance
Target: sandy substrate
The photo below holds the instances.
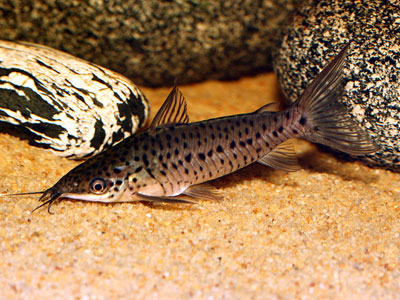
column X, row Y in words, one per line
column 328, row 231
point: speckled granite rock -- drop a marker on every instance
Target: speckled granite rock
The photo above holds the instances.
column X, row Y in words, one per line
column 372, row 86
column 153, row 42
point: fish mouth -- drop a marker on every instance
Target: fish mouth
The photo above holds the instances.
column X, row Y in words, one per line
column 48, row 197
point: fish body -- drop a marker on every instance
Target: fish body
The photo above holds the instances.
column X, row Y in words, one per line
column 173, row 157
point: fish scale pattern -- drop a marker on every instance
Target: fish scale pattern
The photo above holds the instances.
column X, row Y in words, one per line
column 188, row 154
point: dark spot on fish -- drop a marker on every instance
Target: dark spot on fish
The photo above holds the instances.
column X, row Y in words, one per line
column 210, row 174
column 174, row 166
column 176, row 140
column 251, row 123
column 160, row 157
column 134, row 179
column 138, row 169
column 243, row 144
column 201, row 124
column 267, row 144
column 244, row 121
column 145, row 160
column 225, row 129
column 108, row 174
column 202, row 156
column 240, row 134
column 264, row 127
column 287, row 115
column 303, row 121
column 183, row 135
column 127, row 163
column 122, row 159
column 150, row 172
column 232, row 145
column 232, row 128
column 201, row 169
column 190, row 135
column 316, row 128
column 219, row 149
column 125, row 153
column 295, row 131
column 275, row 133
column 188, row 157
column 153, row 152
column 117, row 170
column 168, row 155
column 245, row 158
column 168, row 145
column 280, row 129
column 198, row 135
column 176, row 152
column 234, row 155
column 258, row 150
column 195, row 172
column 186, row 171
column 168, row 136
column 258, row 135
column 222, row 161
column 246, row 130
column 165, row 166
column 163, row 173
column 199, row 143
column 205, row 140
column 220, row 135
column 210, row 153
column 210, row 126
column 116, row 189
column 250, row 141
column 185, row 145
column 180, row 162
column 118, row 182
column 212, row 136
column 145, row 147
column 275, row 118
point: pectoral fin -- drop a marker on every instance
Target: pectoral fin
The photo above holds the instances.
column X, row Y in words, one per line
column 203, row 191
column 164, row 199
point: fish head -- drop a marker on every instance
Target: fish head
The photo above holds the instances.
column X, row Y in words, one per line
column 95, row 180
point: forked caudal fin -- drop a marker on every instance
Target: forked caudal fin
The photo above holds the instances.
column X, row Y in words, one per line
column 326, row 119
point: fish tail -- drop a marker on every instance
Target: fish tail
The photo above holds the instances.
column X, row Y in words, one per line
column 325, row 119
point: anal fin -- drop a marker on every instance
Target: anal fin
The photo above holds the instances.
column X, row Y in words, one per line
column 282, row 157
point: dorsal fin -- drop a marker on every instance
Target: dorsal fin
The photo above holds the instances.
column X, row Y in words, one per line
column 172, row 111
column 283, row 157
column 273, row 107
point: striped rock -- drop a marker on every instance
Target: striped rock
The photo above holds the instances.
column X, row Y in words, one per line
column 69, row 105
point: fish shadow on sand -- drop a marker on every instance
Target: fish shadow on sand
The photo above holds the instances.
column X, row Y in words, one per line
column 321, row 159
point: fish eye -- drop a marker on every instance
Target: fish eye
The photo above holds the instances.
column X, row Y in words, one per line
column 98, row 185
